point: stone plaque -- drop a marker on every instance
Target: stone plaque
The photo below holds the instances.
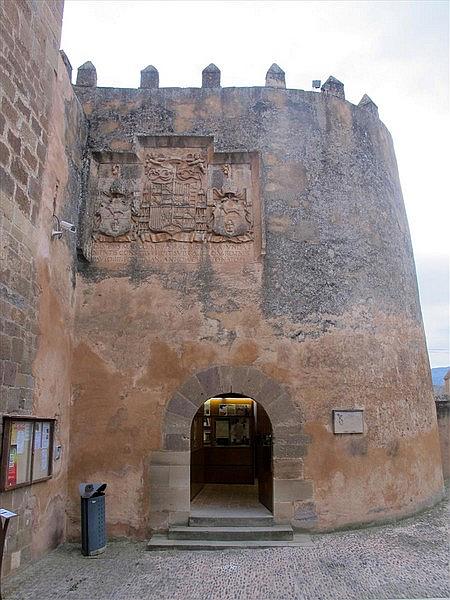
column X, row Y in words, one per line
column 178, row 203
column 348, row 421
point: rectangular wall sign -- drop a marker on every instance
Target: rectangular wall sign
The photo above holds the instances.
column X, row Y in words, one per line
column 348, row 421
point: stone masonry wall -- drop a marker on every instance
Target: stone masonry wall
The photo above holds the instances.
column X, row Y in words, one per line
column 30, row 40
column 443, row 419
column 41, row 135
column 328, row 310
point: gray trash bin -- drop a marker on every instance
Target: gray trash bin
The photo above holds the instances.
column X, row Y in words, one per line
column 93, row 525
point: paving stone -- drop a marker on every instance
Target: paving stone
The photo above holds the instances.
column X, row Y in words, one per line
column 408, row 559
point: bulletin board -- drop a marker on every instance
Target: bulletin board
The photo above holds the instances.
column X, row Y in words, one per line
column 27, row 451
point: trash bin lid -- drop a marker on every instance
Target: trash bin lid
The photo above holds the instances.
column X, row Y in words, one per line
column 99, row 491
column 89, row 490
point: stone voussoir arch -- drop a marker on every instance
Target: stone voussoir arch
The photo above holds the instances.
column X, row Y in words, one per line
column 248, row 381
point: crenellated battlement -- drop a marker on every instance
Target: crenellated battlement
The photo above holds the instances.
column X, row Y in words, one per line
column 211, row 80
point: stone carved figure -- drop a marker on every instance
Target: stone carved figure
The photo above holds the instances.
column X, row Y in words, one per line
column 230, row 218
column 113, row 217
column 194, row 160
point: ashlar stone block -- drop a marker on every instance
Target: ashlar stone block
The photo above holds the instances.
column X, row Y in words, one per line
column 270, row 392
column 283, row 512
column 179, row 476
column 180, row 405
column 159, row 520
column 210, row 381
column 288, row 490
column 288, row 468
column 176, row 424
column 169, row 499
column 281, row 450
column 159, row 475
column 194, row 391
column 167, row 457
column 176, row 441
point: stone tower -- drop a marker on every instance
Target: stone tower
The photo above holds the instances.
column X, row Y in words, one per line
column 230, row 241
column 252, row 241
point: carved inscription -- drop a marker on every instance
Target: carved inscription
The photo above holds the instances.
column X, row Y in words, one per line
column 231, row 253
column 178, row 208
column 111, row 254
column 168, row 252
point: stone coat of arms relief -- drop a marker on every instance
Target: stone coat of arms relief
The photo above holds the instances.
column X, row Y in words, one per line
column 115, row 207
column 231, row 215
column 179, row 202
column 174, row 204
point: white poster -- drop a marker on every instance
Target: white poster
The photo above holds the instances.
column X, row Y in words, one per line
column 20, row 441
column 37, row 436
column 44, row 460
column 45, row 435
column 28, row 430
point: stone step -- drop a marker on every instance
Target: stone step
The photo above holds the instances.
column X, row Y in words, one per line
column 224, row 521
column 238, row 534
column 162, row 542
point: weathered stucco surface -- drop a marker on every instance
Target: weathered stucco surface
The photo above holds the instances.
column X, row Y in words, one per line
column 330, row 313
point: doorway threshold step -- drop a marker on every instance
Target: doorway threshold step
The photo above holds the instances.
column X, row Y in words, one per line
column 230, row 521
column 273, row 532
column 162, row 542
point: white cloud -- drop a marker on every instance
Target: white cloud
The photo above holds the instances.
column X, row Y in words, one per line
column 397, row 52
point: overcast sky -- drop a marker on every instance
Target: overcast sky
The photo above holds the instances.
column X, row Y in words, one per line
column 396, row 52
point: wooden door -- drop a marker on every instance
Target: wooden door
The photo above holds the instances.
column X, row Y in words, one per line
column 197, row 455
column 264, row 462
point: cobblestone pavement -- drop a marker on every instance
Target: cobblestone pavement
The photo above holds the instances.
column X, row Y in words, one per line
column 409, row 559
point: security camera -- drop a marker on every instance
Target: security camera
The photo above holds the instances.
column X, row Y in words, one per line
column 60, row 226
column 68, row 226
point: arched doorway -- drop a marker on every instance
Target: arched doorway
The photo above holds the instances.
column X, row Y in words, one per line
column 170, row 465
column 231, row 457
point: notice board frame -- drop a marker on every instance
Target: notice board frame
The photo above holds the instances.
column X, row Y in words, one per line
column 8, row 421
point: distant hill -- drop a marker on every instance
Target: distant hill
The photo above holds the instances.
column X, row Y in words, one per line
column 438, row 374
